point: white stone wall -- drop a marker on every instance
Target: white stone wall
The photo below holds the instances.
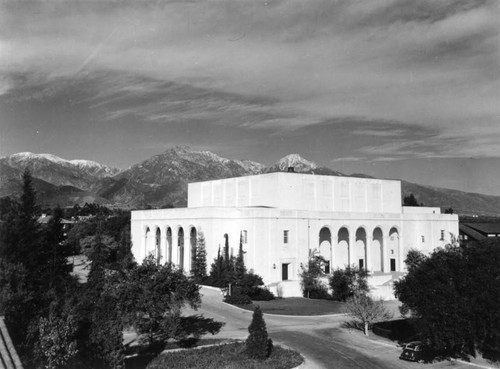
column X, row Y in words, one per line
column 265, row 248
column 296, row 191
column 348, row 220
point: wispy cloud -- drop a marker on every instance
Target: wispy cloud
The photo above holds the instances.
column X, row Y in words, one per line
column 278, row 65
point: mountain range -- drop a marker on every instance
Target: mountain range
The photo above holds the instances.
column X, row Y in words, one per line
column 161, row 180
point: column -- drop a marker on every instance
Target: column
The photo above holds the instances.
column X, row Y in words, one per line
column 368, row 253
column 352, row 242
column 386, row 268
column 401, row 258
column 187, row 251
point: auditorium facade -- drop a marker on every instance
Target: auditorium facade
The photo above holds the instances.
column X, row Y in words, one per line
column 283, row 217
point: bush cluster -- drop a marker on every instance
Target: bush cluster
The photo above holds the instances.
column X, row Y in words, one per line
column 231, row 271
column 238, row 299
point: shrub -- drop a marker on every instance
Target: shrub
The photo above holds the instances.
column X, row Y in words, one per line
column 345, row 283
column 319, row 292
column 311, row 272
column 261, row 294
column 258, row 344
column 238, row 299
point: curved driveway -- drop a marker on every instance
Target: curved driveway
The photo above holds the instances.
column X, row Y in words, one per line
column 319, row 338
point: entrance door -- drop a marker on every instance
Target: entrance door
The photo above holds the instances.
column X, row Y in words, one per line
column 284, row 272
column 393, row 265
column 361, row 264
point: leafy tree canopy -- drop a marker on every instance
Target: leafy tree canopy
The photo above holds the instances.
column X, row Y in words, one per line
column 455, row 296
column 345, row 283
column 153, row 295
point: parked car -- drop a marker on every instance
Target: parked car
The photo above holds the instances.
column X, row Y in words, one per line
column 413, row 351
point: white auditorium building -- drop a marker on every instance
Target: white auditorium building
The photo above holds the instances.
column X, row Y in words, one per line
column 282, row 216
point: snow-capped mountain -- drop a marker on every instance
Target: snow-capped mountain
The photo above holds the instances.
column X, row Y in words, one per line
column 162, row 180
column 82, row 174
column 300, row 165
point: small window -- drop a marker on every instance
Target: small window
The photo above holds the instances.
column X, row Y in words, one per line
column 442, row 234
column 285, row 236
column 423, row 239
column 244, row 237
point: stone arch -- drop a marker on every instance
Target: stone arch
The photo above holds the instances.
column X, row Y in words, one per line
column 377, row 248
column 359, row 249
column 193, row 242
column 169, row 244
column 157, row 248
column 393, row 250
column 341, row 256
column 180, row 246
column 325, row 247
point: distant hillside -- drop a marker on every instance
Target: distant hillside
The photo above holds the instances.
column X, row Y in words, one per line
column 162, row 180
column 461, row 202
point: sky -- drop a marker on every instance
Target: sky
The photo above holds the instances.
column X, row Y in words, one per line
column 391, row 88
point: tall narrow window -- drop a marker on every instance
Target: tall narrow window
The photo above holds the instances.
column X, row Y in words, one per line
column 285, row 236
column 442, row 234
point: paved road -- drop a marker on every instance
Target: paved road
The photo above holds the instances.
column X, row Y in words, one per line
column 319, row 339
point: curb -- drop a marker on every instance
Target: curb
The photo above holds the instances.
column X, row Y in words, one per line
column 278, row 315
column 472, row 364
column 302, row 365
column 288, row 316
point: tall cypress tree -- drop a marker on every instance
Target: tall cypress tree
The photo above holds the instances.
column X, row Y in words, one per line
column 239, row 264
column 27, row 230
column 199, row 270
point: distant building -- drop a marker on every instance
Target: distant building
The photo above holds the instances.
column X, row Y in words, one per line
column 478, row 231
column 281, row 216
column 67, row 224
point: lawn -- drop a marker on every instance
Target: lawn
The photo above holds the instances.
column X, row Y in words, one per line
column 225, row 356
column 297, row 306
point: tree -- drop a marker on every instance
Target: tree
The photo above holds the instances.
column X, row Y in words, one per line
column 345, row 283
column 199, row 265
column 454, row 295
column 309, row 276
column 16, row 298
column 152, row 297
column 411, row 200
column 239, row 264
column 258, row 345
column 58, row 269
column 106, row 332
column 56, row 344
column 26, row 247
column 365, row 311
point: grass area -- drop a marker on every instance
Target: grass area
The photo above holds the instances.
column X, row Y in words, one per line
column 299, row 306
column 225, row 356
column 140, row 355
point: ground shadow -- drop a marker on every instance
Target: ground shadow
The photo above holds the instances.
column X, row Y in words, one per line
column 191, row 329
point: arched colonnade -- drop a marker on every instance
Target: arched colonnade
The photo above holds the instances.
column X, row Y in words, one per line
column 171, row 244
column 376, row 249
